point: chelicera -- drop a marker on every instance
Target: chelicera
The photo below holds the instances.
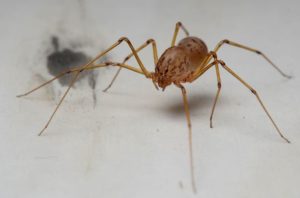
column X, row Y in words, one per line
column 179, row 64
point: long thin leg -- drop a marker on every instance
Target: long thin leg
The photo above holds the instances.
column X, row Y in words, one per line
column 144, row 71
column 94, row 66
column 45, row 83
column 61, row 100
column 78, row 71
column 155, row 57
column 219, row 85
column 202, row 70
column 226, row 41
column 147, row 74
column 257, row 96
column 178, row 25
column 188, row 118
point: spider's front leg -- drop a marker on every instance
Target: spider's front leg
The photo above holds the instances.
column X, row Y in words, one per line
column 154, row 49
column 142, row 70
column 155, row 57
column 238, row 45
column 253, row 91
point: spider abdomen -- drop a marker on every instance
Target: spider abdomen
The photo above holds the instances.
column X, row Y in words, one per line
column 195, row 49
column 177, row 64
column 174, row 66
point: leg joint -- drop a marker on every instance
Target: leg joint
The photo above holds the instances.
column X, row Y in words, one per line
column 258, row 52
column 253, row 91
column 179, row 24
column 150, row 41
column 111, row 63
column 126, row 59
column 214, row 55
column 108, row 63
column 225, row 41
column 181, row 87
column 219, row 85
column 221, row 62
column 123, row 39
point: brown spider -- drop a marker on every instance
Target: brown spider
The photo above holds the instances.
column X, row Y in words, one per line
column 179, row 64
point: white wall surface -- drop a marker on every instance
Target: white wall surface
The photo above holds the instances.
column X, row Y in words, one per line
column 133, row 143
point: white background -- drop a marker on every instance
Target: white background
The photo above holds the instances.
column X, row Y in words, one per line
column 133, row 143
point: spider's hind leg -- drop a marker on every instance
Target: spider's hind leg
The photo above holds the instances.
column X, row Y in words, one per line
column 190, row 140
column 219, row 85
column 177, row 27
column 235, row 44
column 257, row 96
column 202, row 70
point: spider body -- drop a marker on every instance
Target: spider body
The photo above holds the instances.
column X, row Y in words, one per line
column 178, row 63
column 195, row 49
column 184, row 62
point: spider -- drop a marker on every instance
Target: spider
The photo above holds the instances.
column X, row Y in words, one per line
column 179, row 64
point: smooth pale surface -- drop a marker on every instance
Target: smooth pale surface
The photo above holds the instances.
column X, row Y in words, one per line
column 134, row 142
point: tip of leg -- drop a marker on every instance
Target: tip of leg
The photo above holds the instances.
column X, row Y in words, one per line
column 106, row 89
column 210, row 123
column 287, row 140
column 288, row 76
column 19, row 96
column 42, row 131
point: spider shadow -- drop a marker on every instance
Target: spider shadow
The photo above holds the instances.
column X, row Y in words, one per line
column 199, row 104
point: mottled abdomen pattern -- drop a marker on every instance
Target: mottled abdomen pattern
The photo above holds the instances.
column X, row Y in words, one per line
column 177, row 64
column 173, row 66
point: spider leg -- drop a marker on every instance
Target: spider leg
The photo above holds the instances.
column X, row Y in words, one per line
column 86, row 66
column 219, row 85
column 202, row 70
column 142, row 67
column 60, row 102
column 93, row 66
column 257, row 96
column 51, row 80
column 178, row 25
column 225, row 41
column 78, row 71
column 188, row 118
column 154, row 48
column 45, row 83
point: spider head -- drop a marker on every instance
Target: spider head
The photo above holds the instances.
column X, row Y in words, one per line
column 159, row 81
